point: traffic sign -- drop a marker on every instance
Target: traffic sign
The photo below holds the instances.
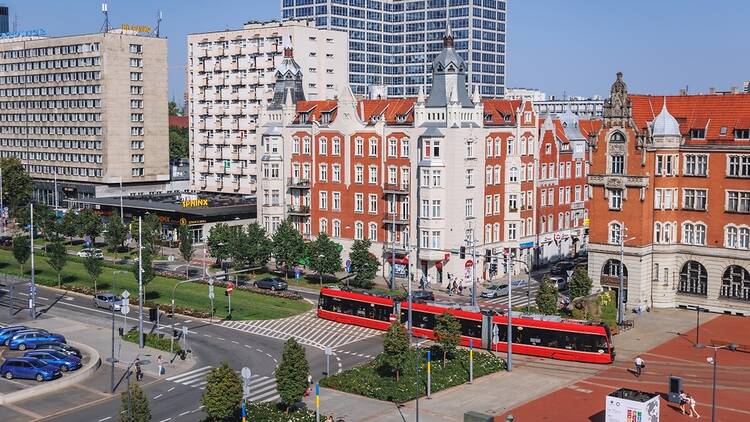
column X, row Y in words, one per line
column 246, row 372
column 184, row 330
column 125, row 294
column 469, row 263
column 210, row 291
column 328, row 350
column 125, row 309
column 297, row 273
column 230, row 287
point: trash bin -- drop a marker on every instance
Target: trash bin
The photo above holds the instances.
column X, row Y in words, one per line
column 675, row 386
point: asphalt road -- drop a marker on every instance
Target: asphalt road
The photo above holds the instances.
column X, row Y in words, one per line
column 176, row 397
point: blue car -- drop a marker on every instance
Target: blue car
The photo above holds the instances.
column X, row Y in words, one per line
column 60, row 347
column 30, row 339
column 7, row 332
column 29, row 368
column 61, row 360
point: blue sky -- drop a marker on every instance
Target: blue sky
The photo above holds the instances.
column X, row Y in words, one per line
column 559, row 46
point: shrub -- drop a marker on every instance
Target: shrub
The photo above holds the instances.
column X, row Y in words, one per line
column 272, row 412
column 152, row 340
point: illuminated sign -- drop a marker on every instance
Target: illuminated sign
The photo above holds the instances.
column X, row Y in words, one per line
column 19, row 34
column 136, row 28
column 193, row 203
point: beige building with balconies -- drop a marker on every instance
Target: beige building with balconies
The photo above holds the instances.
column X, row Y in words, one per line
column 231, row 74
column 86, row 113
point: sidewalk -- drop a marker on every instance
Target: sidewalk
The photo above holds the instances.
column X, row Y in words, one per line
column 531, row 378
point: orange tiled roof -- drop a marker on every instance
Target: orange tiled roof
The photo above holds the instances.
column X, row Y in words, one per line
column 179, row 121
column 315, row 108
column 709, row 112
column 498, row 109
column 395, row 110
column 589, row 126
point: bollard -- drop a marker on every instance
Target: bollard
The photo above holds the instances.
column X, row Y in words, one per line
column 471, row 361
column 429, row 373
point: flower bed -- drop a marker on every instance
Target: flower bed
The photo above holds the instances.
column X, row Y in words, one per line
column 283, row 294
column 271, row 412
column 367, row 380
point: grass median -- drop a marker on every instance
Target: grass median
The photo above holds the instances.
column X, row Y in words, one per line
column 245, row 305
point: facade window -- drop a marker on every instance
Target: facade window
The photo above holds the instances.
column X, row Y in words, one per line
column 359, row 147
column 613, row 267
column 372, row 175
column 437, row 178
column 512, row 202
column 488, row 176
column 496, row 175
column 295, row 146
column 469, row 176
column 615, row 233
column 738, row 165
column 664, row 232
column 511, row 146
column 359, row 174
column 488, row 205
column 392, row 176
column 738, row 201
column 469, row 208
column 436, row 240
column 694, row 199
column 372, row 232
column 488, row 233
column 496, row 200
column 513, row 174
column 512, row 231
column 359, row 231
column 373, row 150
column 359, row 202
column 735, row 283
column 323, row 173
column 615, row 199
column 548, row 149
column 496, row 232
column 336, row 201
column 323, row 226
column 470, row 149
column 425, row 239
column 696, row 165
column 694, row 234
column 323, row 146
column 578, row 169
column 336, row 232
column 306, row 146
column 372, row 205
column 436, row 208
column 666, row 165
column 737, row 237
column 323, row 200
column 404, row 148
column 336, row 146
column 665, row 199
column 392, row 147
column 617, row 164
column 489, row 148
column 530, row 172
column 693, row 279
column 617, row 137
column 336, row 173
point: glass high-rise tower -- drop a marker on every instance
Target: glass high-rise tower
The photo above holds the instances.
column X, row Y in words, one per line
column 393, row 42
column 4, row 22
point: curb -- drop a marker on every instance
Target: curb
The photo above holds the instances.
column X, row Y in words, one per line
column 66, row 380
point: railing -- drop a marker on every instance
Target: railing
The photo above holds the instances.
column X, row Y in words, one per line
column 298, row 183
column 398, row 218
column 298, row 209
column 397, row 188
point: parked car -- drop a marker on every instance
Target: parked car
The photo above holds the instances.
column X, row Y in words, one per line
column 423, row 295
column 6, row 241
column 520, row 283
column 22, row 331
column 581, row 260
column 495, row 290
column 29, row 368
column 85, row 253
column 61, row 360
column 7, row 332
column 107, row 301
column 273, row 283
column 561, row 283
column 30, row 340
column 60, row 347
column 562, row 267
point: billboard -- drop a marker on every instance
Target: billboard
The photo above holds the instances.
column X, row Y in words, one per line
column 626, row 405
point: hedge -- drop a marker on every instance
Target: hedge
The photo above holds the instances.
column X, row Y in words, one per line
column 272, row 412
column 152, row 340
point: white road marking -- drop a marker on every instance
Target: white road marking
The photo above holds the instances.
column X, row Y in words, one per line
column 219, row 338
column 235, row 342
column 104, row 419
column 176, row 377
column 165, row 420
column 157, row 396
column 170, row 389
column 184, row 413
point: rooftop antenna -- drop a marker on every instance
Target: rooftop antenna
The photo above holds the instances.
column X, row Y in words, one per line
column 105, row 10
column 158, row 22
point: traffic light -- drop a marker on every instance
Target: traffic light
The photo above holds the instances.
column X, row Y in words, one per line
column 153, row 314
column 488, row 255
column 493, row 269
column 462, row 252
column 585, row 231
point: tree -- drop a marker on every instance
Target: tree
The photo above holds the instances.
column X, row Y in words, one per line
column 238, row 242
column 150, row 232
column 174, row 109
column 17, row 184
column 69, row 224
column 115, row 232
column 363, row 263
column 89, row 224
column 288, row 245
column 580, row 283
column 218, row 242
column 291, row 374
column 46, row 220
column 94, row 269
column 259, row 246
column 546, row 298
column 186, row 246
column 58, row 257
column 395, row 349
column 148, row 267
column 223, row 394
column 21, row 250
column 134, row 407
column 178, row 142
column 447, row 333
column 325, row 256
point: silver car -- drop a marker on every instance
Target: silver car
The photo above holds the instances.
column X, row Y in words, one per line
column 496, row 290
column 107, row 301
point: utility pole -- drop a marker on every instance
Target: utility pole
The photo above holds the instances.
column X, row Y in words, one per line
column 112, row 369
column 32, row 296
column 122, row 216
column 508, row 267
column 409, row 297
column 393, row 241
column 621, row 291
column 140, row 283
column 473, row 269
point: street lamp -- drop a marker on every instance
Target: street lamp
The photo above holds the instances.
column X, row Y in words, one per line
column 621, row 291
column 713, row 361
column 114, row 299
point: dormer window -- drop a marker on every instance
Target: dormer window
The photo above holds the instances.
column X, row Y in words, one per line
column 617, row 137
column 698, row 133
column 401, row 118
column 742, row 133
column 487, row 117
column 723, row 131
column 304, row 117
column 325, row 118
column 507, row 119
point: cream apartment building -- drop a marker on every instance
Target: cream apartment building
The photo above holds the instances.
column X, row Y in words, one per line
column 86, row 113
column 231, row 75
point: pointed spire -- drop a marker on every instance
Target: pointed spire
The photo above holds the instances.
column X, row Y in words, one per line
column 420, row 95
column 448, row 38
column 453, row 98
column 476, row 98
column 287, row 46
column 289, row 99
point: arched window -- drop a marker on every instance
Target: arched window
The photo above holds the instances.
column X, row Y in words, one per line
column 336, row 229
column 744, row 238
column 522, row 230
column 611, row 268
column 615, row 231
column 693, row 278
column 323, row 225
column 513, row 174
column 530, row 172
column 323, row 146
column 489, row 148
column 488, row 233
column 693, row 234
column 529, row 227
column 543, row 225
column 498, row 148
column 735, row 283
column 372, row 232
column 667, row 233
column 617, row 137
column 522, row 146
column 657, row 232
column 496, row 232
column 522, row 174
column 730, row 237
column 359, row 230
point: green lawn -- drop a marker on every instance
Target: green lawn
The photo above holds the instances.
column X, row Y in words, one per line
column 245, row 305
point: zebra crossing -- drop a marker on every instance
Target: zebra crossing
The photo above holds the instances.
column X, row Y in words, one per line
column 518, row 298
column 307, row 329
column 262, row 389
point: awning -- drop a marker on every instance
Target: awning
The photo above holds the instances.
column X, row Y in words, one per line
column 402, row 261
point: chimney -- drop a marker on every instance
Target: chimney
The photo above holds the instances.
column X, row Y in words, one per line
column 683, row 91
column 735, row 90
column 711, row 91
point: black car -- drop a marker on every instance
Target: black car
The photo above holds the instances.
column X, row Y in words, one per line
column 6, row 241
column 61, row 347
column 562, row 267
column 273, row 283
column 423, row 295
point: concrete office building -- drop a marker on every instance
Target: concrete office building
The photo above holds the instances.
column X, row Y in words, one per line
column 394, row 42
column 86, row 113
column 4, row 21
column 543, row 104
column 231, row 74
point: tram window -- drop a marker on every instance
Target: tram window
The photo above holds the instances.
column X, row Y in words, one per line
column 471, row 328
column 559, row 339
column 356, row 308
column 419, row 319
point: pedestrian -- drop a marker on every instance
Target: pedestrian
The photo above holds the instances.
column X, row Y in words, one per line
column 309, row 379
column 639, row 365
column 138, row 370
column 691, row 402
column 330, row 418
column 461, row 289
column 160, row 362
column 683, row 401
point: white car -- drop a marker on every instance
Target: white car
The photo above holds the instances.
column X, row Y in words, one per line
column 85, row 253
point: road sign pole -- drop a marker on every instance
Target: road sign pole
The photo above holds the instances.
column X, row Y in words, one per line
column 471, row 361
column 429, row 374
column 185, row 335
column 317, row 402
column 140, row 285
column 509, row 339
column 246, row 374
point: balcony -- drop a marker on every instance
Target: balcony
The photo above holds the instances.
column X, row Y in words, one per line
column 217, row 109
column 202, row 109
column 396, row 218
column 397, row 189
column 235, row 49
column 238, row 170
column 202, row 167
column 203, row 183
column 235, row 79
column 388, row 249
column 215, row 154
column 217, row 51
column 235, row 139
column 300, row 210
column 219, row 168
column 201, row 80
column 247, row 124
column 247, row 94
column 236, row 184
column 296, row 183
column 235, row 109
column 201, row 52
